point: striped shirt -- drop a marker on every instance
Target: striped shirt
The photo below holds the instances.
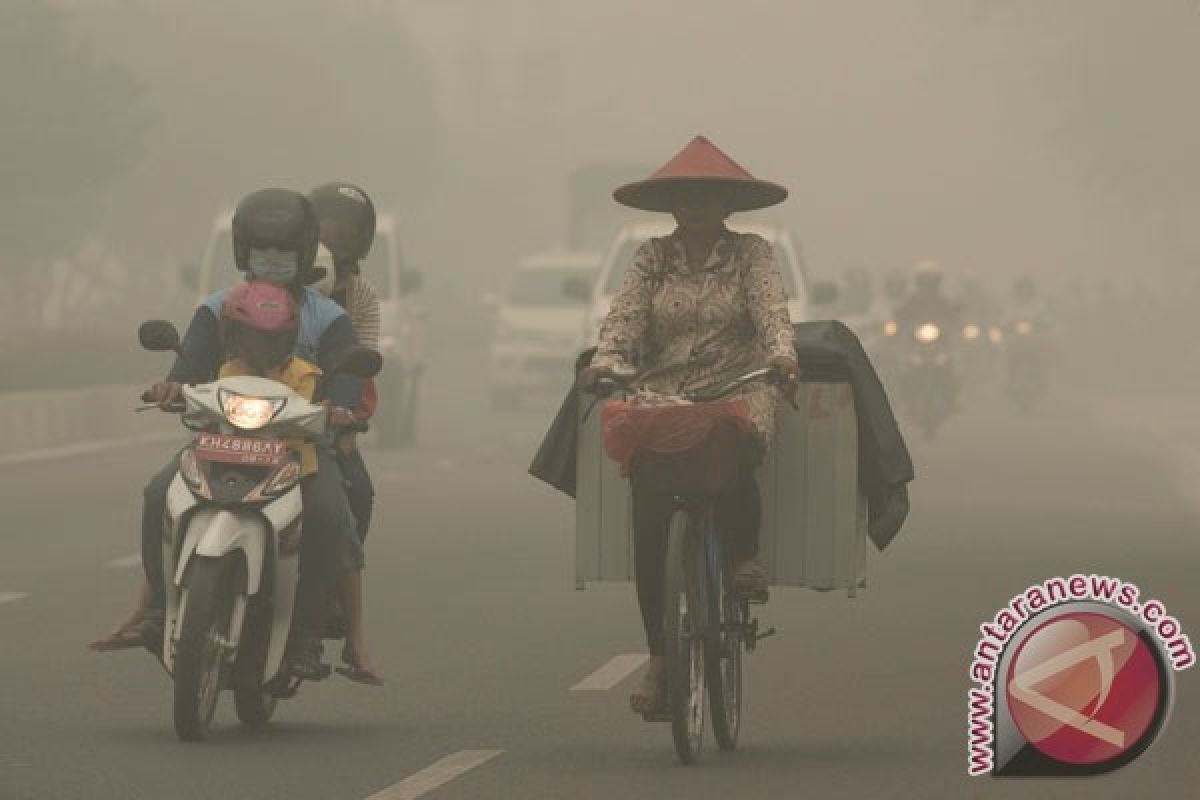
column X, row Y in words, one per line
column 361, row 302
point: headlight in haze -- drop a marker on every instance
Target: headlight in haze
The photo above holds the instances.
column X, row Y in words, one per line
column 995, row 335
column 971, row 332
column 890, row 327
column 928, row 333
column 248, row 413
column 1024, row 327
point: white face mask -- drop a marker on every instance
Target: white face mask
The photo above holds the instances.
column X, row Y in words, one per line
column 279, row 267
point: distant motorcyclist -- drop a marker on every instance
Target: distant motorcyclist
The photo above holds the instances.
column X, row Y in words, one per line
column 927, row 302
column 926, row 331
column 1027, row 345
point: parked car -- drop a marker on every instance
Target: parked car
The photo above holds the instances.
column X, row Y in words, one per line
column 802, row 296
column 537, row 321
column 402, row 320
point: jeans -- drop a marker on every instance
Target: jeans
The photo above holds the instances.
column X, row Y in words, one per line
column 328, row 522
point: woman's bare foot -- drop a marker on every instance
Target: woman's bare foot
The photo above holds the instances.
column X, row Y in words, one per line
column 650, row 695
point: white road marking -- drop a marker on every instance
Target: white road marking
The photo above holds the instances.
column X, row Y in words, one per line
column 8, row 597
column 84, row 448
column 124, row 562
column 616, row 670
column 435, row 775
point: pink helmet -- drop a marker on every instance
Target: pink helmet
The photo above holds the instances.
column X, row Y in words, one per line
column 261, row 306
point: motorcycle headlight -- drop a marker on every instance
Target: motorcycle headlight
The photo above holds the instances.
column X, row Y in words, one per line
column 995, row 335
column 248, row 413
column 1024, row 327
column 971, row 332
column 890, row 328
column 928, row 333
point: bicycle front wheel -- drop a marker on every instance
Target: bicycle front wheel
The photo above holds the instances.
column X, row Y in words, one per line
column 724, row 670
column 684, row 601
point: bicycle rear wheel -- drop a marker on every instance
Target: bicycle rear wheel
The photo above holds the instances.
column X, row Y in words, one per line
column 683, row 636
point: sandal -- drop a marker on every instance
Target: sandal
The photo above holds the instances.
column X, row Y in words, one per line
column 650, row 700
column 304, row 661
column 123, row 638
column 355, row 671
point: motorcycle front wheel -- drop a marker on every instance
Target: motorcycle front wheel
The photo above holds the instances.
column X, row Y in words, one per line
column 200, row 655
column 254, row 706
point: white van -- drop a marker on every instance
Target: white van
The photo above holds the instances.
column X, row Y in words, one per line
column 537, row 322
column 402, row 320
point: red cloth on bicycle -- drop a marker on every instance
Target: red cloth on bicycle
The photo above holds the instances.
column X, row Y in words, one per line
column 628, row 428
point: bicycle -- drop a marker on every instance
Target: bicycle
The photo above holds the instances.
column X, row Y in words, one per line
column 707, row 624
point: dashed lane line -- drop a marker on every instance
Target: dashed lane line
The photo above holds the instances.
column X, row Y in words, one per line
column 436, row 774
column 616, row 670
column 124, row 562
column 8, row 597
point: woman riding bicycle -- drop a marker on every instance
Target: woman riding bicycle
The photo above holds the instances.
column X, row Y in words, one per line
column 697, row 308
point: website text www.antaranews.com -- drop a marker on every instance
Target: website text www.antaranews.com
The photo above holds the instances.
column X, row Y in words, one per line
column 1035, row 599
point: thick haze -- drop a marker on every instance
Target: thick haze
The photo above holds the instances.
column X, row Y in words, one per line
column 1057, row 139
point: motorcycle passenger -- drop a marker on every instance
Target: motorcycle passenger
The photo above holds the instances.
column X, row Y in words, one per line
column 655, row 323
column 275, row 236
column 347, row 220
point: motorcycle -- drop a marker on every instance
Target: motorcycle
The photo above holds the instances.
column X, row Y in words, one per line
column 927, row 380
column 1026, row 378
column 231, row 539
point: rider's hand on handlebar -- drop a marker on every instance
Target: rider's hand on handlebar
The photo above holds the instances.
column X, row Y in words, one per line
column 341, row 417
column 590, row 376
column 163, row 394
column 789, row 373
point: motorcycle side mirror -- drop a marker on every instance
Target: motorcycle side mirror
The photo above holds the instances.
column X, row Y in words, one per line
column 159, row 336
column 361, row 362
column 823, row 293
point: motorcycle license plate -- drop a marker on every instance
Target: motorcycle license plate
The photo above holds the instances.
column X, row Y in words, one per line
column 240, row 450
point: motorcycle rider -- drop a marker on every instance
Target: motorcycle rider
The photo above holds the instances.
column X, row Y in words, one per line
column 928, row 303
column 347, row 219
column 275, row 236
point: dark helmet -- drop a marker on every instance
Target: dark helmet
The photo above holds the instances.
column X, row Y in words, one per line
column 348, row 217
column 278, row 219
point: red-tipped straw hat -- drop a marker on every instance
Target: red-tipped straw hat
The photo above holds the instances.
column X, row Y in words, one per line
column 700, row 164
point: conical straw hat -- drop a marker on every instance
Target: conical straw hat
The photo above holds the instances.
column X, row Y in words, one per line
column 700, row 164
